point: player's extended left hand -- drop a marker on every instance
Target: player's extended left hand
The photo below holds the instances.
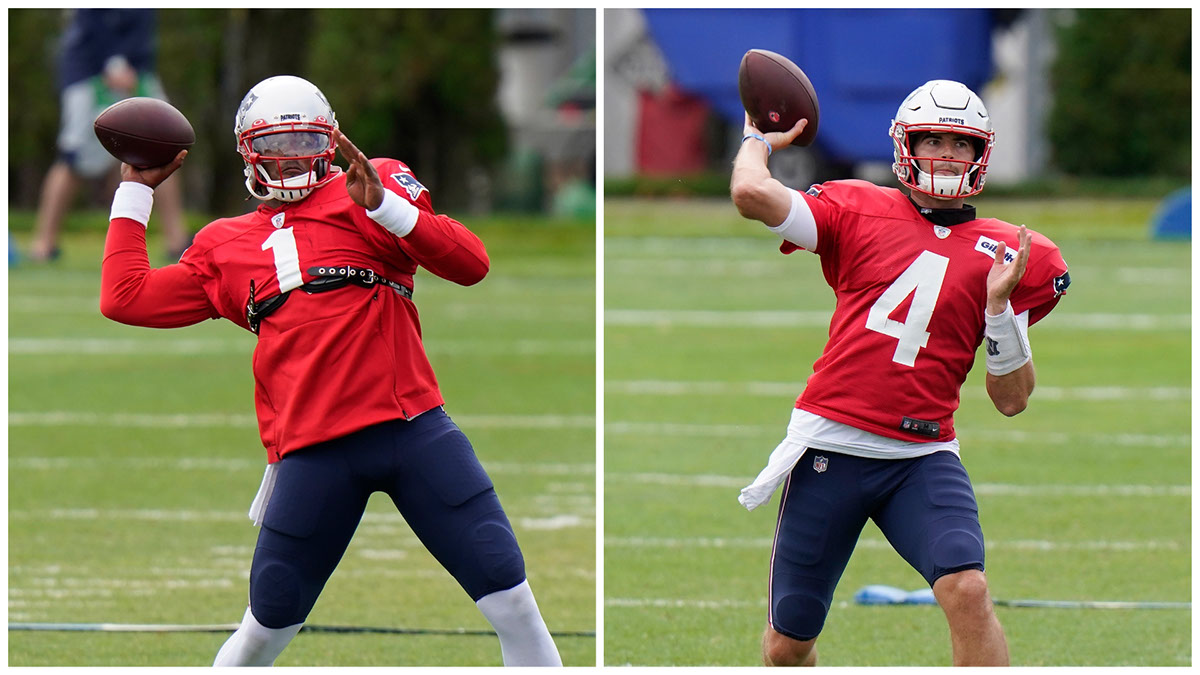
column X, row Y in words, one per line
column 1004, row 277
column 362, row 180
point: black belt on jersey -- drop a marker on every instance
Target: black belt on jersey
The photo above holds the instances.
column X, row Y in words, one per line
column 326, row 278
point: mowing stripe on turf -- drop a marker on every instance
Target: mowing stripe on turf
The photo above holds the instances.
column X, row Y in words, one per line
column 670, row 603
column 792, row 389
column 230, row 627
column 1008, row 436
column 61, row 463
column 820, row 319
column 1026, row 545
column 555, row 522
column 984, row 489
column 58, row 418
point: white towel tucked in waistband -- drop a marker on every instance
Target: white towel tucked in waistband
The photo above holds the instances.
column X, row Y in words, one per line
column 258, row 508
column 783, row 458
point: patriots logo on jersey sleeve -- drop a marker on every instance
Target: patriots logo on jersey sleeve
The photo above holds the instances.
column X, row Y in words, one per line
column 410, row 183
column 1061, row 283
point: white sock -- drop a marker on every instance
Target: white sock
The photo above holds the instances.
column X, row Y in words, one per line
column 524, row 638
column 253, row 644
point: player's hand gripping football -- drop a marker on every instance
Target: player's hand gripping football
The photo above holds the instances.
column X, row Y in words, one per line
column 1003, row 277
column 152, row 176
column 362, row 180
column 777, row 139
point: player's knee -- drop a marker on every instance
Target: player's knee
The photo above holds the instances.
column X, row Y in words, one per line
column 277, row 595
column 964, row 591
column 497, row 556
column 801, row 616
column 781, row 650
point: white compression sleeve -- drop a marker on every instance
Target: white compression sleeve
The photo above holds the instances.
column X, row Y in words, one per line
column 253, row 644
column 133, row 201
column 1007, row 337
column 396, row 214
column 800, row 227
column 524, row 638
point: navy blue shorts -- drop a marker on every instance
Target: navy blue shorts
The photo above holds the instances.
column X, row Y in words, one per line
column 924, row 506
column 429, row 469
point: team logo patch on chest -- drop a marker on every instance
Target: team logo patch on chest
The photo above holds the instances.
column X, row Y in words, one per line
column 988, row 246
column 820, row 464
column 410, row 183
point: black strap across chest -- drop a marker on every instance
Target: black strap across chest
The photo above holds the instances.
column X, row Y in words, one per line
column 325, row 278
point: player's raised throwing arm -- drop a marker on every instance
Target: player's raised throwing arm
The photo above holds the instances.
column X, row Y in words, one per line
column 130, row 291
column 755, row 193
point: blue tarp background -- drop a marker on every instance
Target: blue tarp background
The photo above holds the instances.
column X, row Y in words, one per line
column 862, row 62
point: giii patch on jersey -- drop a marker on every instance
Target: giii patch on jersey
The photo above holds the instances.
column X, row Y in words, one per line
column 410, row 183
column 988, row 245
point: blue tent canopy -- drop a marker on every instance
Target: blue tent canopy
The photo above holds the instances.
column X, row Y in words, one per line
column 862, row 62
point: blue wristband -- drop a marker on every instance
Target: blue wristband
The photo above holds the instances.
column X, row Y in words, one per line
column 748, row 136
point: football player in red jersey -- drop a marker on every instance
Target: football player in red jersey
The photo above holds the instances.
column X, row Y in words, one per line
column 920, row 283
column 346, row 401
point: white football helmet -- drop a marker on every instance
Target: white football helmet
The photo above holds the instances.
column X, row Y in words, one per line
column 942, row 106
column 283, row 123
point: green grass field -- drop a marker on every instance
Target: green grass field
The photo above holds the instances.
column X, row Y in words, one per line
column 709, row 336
column 133, row 457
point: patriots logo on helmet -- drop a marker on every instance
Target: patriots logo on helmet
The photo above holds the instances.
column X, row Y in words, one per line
column 410, row 183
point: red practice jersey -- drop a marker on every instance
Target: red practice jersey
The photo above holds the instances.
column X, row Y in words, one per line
column 326, row 364
column 911, row 297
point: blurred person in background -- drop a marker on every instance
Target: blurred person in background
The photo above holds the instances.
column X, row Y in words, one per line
column 106, row 55
column 347, row 402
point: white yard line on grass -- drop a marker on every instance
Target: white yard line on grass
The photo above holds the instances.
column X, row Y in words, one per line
column 985, row 489
column 178, row 347
column 65, row 463
column 632, row 268
column 793, row 389
column 749, row 430
column 764, row 543
column 58, row 418
column 749, row 319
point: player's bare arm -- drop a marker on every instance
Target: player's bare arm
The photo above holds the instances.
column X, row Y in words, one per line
column 755, row 193
column 1009, row 392
column 153, row 176
column 362, row 180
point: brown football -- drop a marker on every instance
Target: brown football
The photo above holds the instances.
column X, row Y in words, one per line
column 143, row 132
column 777, row 94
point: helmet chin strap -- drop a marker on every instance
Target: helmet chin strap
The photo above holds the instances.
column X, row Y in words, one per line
column 944, row 187
column 278, row 194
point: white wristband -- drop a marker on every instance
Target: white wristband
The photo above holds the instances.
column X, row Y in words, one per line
column 1007, row 341
column 133, row 201
column 396, row 214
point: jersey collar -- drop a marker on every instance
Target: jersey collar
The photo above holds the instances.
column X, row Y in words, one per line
column 945, row 217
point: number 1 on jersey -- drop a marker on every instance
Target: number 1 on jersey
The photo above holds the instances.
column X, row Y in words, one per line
column 922, row 280
column 287, row 259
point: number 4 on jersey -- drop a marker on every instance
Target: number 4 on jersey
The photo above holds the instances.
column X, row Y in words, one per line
column 923, row 281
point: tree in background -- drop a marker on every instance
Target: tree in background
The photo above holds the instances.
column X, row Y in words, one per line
column 1122, row 93
column 416, row 85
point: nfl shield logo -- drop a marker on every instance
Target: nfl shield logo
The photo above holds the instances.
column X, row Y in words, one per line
column 941, row 232
column 820, row 464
